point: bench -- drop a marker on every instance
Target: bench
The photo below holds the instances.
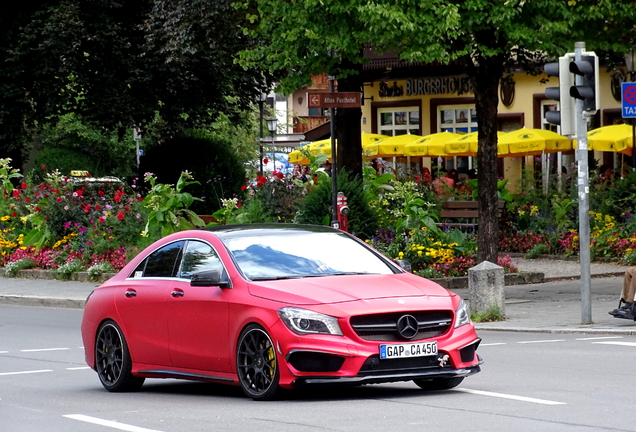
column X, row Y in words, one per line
column 463, row 215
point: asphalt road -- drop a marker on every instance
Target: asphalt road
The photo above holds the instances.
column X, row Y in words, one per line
column 530, row 381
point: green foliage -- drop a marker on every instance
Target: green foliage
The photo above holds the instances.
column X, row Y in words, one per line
column 98, row 269
column 492, row 314
column 315, row 206
column 12, row 268
column 537, row 250
column 72, row 143
column 169, row 207
column 68, row 268
column 208, row 158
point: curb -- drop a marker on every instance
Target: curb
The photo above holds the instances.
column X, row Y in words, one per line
column 522, row 278
column 18, row 300
column 53, row 275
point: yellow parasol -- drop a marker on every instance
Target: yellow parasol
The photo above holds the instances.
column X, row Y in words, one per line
column 389, row 147
column 466, row 145
column 614, row 138
column 430, row 145
column 525, row 142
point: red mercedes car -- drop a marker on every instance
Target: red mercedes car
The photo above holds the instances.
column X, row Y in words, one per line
column 275, row 306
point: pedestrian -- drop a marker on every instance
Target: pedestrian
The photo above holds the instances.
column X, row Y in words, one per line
column 626, row 308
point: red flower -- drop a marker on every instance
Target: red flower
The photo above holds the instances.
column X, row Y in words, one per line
column 27, row 199
column 87, row 208
column 97, row 206
column 126, row 208
column 43, row 166
column 243, row 187
column 59, row 199
column 24, row 186
column 120, row 215
column 117, row 198
column 14, row 214
column 16, row 192
column 101, row 193
column 239, row 204
column 265, row 161
column 37, row 209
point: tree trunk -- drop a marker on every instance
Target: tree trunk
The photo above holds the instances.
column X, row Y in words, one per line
column 486, row 76
column 348, row 127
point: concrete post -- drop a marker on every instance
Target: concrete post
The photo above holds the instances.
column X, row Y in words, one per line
column 486, row 287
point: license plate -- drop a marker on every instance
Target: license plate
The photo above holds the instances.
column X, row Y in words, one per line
column 419, row 349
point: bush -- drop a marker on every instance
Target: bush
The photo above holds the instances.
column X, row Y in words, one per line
column 209, row 160
column 315, row 207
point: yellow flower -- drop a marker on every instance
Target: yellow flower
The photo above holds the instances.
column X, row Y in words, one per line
column 521, row 212
column 534, row 210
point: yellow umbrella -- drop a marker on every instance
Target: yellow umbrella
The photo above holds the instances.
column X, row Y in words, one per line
column 430, row 145
column 466, row 145
column 370, row 138
column 614, row 138
column 534, row 141
column 391, row 146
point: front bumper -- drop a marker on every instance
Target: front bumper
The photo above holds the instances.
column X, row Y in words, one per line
column 388, row 377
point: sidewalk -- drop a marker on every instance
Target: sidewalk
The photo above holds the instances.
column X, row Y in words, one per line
column 550, row 307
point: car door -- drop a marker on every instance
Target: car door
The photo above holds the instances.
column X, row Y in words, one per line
column 198, row 316
column 141, row 304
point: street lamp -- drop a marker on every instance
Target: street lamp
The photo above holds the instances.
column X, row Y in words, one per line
column 272, row 122
column 262, row 97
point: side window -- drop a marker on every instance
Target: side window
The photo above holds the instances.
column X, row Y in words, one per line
column 162, row 263
column 197, row 257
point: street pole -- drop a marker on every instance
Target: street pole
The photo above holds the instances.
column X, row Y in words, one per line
column 584, row 199
column 261, row 102
column 334, row 180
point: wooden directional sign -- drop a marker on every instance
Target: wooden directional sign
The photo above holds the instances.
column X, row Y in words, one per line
column 334, row 100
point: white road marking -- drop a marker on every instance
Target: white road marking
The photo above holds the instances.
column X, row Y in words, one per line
column 542, row 341
column 109, row 423
column 492, row 344
column 25, row 372
column 3, row 352
column 507, row 396
column 78, row 368
column 599, row 338
column 616, row 343
column 44, row 349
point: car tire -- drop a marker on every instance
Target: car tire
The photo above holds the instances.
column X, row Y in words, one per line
column 112, row 360
column 257, row 364
column 438, row 383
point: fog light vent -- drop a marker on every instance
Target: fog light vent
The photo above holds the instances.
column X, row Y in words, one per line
column 304, row 361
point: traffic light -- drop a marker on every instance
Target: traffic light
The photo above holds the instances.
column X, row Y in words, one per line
column 587, row 68
column 565, row 116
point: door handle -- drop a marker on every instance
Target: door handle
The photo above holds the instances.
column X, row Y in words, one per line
column 130, row 293
column 177, row 293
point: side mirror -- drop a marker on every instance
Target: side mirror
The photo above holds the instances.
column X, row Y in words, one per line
column 208, row 278
column 405, row 264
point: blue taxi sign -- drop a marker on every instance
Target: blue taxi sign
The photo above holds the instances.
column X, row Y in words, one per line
column 628, row 93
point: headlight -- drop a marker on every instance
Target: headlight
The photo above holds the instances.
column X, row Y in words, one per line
column 302, row 321
column 462, row 314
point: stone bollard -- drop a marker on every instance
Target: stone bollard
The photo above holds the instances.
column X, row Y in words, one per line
column 486, row 287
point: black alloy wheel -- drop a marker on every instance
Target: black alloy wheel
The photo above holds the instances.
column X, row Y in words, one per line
column 256, row 364
column 112, row 360
column 438, row 383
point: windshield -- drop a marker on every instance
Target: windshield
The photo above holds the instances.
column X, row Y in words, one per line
column 303, row 254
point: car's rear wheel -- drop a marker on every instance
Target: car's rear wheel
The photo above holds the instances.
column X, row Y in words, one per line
column 438, row 383
column 256, row 364
column 112, row 360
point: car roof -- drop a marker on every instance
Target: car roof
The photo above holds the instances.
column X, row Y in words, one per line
column 251, row 230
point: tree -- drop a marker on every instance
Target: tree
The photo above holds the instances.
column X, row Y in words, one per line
column 485, row 36
column 116, row 64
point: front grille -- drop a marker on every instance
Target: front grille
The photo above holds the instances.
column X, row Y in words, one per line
column 374, row 364
column 383, row 327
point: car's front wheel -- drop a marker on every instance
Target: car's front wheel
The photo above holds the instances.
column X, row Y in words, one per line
column 438, row 383
column 112, row 360
column 256, row 364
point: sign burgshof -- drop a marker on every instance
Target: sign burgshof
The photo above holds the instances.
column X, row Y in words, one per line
column 334, row 100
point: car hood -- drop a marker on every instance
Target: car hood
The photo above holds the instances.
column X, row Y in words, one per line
column 338, row 289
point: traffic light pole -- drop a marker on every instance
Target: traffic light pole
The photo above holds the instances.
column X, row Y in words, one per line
column 584, row 198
